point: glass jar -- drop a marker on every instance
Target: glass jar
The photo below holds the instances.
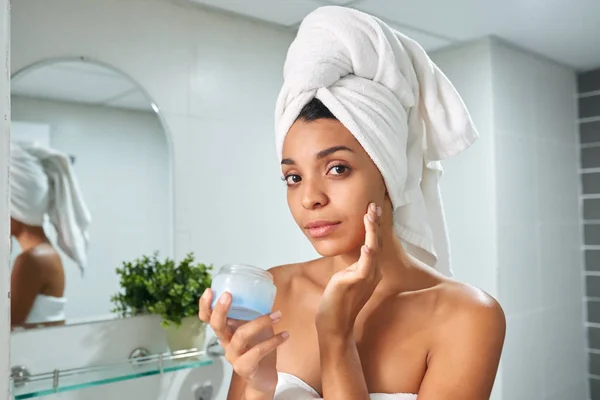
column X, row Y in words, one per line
column 251, row 288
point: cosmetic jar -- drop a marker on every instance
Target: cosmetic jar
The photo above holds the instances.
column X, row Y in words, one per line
column 252, row 290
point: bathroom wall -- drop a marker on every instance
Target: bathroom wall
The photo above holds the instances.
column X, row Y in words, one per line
column 469, row 181
column 4, row 215
column 122, row 156
column 589, row 131
column 467, row 184
column 540, row 263
column 525, row 109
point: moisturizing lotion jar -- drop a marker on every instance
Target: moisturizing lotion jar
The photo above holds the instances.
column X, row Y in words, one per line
column 252, row 290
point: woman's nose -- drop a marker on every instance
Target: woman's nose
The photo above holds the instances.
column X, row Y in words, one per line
column 313, row 196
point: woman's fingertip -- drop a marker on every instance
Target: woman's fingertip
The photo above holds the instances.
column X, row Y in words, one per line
column 224, row 299
column 285, row 335
column 275, row 316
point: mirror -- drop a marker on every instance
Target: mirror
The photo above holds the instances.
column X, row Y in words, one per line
column 118, row 156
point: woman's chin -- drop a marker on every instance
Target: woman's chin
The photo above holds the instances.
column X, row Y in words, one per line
column 334, row 247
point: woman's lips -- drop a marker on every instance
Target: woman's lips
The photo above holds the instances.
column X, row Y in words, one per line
column 319, row 229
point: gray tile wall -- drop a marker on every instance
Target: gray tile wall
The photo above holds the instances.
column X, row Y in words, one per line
column 589, row 129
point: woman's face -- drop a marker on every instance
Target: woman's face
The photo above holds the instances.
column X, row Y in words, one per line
column 331, row 180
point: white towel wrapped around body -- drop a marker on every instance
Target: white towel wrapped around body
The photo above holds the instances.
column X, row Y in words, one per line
column 400, row 107
column 42, row 182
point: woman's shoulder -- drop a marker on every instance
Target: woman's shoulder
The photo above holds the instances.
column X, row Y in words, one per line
column 284, row 275
column 296, row 281
column 467, row 310
column 465, row 298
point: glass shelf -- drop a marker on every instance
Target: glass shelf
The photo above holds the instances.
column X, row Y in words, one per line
column 81, row 378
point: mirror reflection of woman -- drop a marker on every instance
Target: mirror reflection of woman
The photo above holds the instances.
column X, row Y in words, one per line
column 43, row 185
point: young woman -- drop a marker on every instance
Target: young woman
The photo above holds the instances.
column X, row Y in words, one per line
column 371, row 318
column 42, row 184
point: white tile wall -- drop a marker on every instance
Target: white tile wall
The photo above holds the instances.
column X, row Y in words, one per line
column 531, row 234
column 576, row 391
column 469, row 191
column 519, row 272
column 555, row 108
column 555, row 170
column 514, row 91
column 540, row 279
column 561, row 261
column 516, row 174
column 275, row 11
column 522, row 360
column 563, row 355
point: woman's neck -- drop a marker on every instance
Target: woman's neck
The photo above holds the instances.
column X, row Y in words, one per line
column 400, row 272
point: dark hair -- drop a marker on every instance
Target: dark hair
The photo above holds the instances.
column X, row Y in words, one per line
column 314, row 110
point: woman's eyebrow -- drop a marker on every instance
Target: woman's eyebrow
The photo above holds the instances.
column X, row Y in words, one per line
column 320, row 155
column 331, row 150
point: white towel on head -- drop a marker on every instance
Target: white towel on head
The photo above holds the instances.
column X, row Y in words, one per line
column 400, row 107
column 42, row 182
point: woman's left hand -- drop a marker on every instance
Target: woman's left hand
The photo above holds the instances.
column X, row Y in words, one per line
column 349, row 290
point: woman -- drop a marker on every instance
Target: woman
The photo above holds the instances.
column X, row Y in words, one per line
column 43, row 184
column 363, row 119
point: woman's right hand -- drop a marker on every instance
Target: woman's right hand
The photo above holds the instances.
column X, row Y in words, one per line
column 249, row 346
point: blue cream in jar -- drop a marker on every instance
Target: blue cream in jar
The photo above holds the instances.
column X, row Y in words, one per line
column 252, row 290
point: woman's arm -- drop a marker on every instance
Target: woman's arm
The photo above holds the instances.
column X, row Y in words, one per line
column 25, row 284
column 341, row 372
column 236, row 387
column 345, row 295
column 239, row 391
column 464, row 360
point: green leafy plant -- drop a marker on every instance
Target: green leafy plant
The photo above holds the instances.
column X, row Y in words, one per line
column 152, row 286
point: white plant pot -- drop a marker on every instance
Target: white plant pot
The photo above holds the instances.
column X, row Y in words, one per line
column 189, row 335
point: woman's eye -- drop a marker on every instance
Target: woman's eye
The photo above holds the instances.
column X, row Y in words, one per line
column 292, row 179
column 339, row 169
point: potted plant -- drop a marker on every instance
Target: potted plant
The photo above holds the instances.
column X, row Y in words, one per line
column 152, row 286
